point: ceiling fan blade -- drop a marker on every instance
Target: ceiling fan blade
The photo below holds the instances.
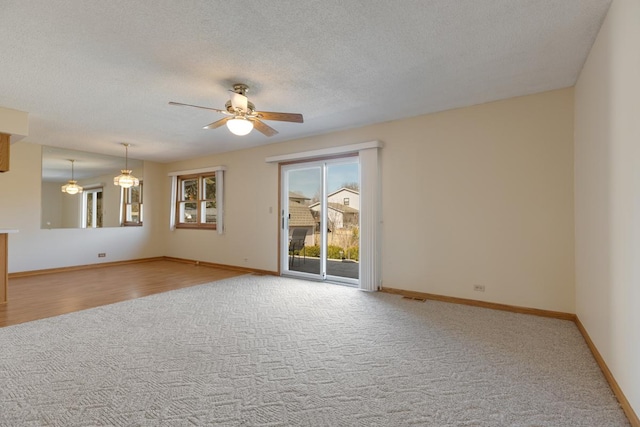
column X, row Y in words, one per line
column 239, row 101
column 264, row 128
column 282, row 117
column 180, row 104
column 217, row 123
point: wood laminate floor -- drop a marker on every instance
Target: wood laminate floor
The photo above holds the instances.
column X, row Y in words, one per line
column 37, row 297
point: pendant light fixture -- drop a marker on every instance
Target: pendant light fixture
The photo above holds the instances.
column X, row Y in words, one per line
column 72, row 186
column 125, row 179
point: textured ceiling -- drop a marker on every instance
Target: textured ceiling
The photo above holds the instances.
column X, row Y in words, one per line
column 93, row 74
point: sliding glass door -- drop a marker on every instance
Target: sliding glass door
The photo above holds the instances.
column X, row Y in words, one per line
column 301, row 236
column 320, row 222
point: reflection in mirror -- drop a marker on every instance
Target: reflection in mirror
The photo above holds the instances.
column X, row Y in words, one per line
column 101, row 203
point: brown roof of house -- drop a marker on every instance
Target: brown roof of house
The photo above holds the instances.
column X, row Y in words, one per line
column 342, row 208
column 294, row 195
column 300, row 216
column 337, row 207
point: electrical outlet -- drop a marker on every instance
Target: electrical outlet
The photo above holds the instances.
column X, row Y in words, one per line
column 102, row 255
column 478, row 288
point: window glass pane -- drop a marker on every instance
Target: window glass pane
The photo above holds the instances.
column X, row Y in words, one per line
column 190, row 189
column 98, row 213
column 134, row 194
column 93, row 208
column 133, row 205
column 133, row 212
column 210, row 212
column 90, row 209
column 188, row 213
column 209, row 187
column 197, row 206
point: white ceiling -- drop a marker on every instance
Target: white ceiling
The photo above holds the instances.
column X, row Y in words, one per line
column 93, row 74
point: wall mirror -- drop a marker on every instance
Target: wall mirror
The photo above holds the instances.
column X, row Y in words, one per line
column 101, row 203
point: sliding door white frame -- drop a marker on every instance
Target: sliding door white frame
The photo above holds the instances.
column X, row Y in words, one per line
column 370, row 203
column 284, row 222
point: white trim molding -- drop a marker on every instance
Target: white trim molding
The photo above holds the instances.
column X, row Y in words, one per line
column 195, row 171
column 331, row 151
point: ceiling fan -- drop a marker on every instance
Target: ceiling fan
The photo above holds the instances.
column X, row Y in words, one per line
column 242, row 116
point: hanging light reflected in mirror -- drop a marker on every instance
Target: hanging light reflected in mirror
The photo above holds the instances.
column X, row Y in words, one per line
column 126, row 179
column 72, row 186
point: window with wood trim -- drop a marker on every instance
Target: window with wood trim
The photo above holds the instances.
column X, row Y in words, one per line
column 196, row 205
column 133, row 208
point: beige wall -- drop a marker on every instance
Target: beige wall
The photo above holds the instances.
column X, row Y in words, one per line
column 607, row 177
column 14, row 123
column 479, row 195
column 52, row 205
column 483, row 195
column 34, row 248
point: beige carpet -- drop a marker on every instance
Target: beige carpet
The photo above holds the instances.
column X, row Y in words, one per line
column 266, row 351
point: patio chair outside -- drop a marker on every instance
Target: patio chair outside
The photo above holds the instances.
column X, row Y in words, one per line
column 296, row 243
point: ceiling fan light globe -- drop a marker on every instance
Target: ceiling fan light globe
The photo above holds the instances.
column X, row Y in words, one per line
column 240, row 126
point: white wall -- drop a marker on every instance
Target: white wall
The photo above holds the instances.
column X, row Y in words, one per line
column 607, row 180
column 478, row 195
column 34, row 248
